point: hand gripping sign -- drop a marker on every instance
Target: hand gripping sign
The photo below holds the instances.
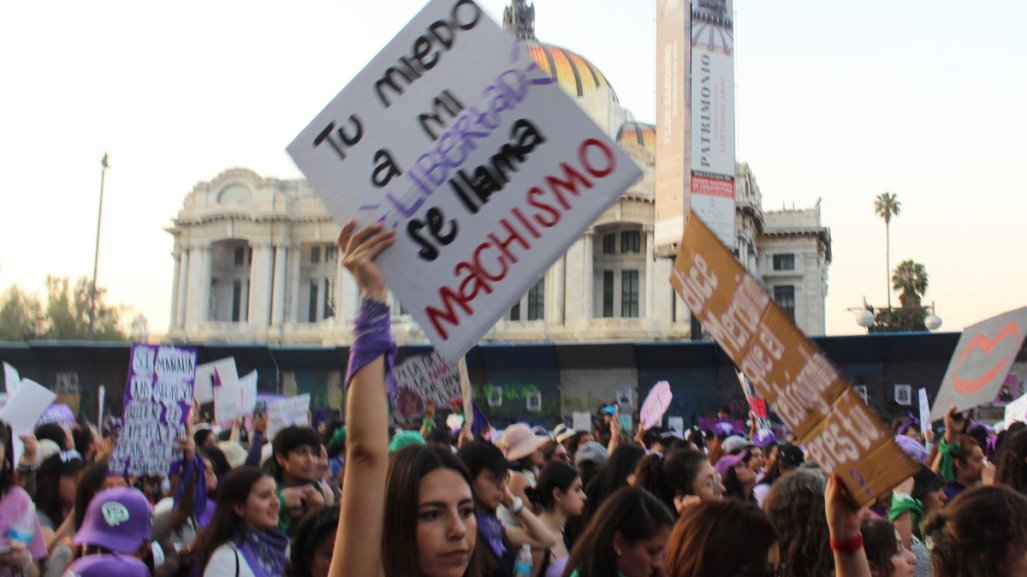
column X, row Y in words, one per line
column 456, row 138
column 786, row 369
column 982, row 359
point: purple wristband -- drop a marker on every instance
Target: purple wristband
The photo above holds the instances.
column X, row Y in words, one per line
column 372, row 338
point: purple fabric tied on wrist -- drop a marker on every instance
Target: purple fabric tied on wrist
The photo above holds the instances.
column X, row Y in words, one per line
column 372, row 338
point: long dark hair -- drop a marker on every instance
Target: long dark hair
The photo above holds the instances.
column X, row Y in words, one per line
column 880, row 545
column 705, row 540
column 48, row 496
column 612, row 476
column 313, row 528
column 555, row 476
column 795, row 506
column 402, row 495
column 226, row 525
column 670, row 475
column 1010, row 465
column 634, row 513
column 7, row 465
column 733, row 486
column 978, row 533
column 89, row 484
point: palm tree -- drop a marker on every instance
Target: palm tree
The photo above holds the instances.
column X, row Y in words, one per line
column 886, row 205
column 911, row 279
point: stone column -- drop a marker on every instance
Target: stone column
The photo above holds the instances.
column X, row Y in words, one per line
column 574, row 272
column 555, row 292
column 589, row 281
column 647, row 252
column 345, row 296
column 278, row 305
column 182, row 294
column 205, row 272
column 293, row 312
column 173, row 319
column 260, row 285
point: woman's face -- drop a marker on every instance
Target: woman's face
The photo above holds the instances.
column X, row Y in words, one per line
column 322, row 556
column 745, row 472
column 572, row 502
column 66, row 488
column 707, row 485
column 934, row 501
column 537, row 458
column 489, row 488
column 903, row 561
column 644, row 558
column 560, row 455
column 300, row 464
column 260, row 512
column 969, row 472
column 446, row 526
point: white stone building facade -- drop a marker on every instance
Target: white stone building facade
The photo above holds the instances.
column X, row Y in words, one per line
column 255, row 259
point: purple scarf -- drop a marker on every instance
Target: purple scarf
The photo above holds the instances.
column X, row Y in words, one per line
column 372, row 338
column 491, row 529
column 264, row 552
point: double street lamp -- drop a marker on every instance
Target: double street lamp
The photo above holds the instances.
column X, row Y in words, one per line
column 865, row 315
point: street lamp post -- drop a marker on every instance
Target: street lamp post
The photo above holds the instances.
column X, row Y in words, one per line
column 866, row 319
column 96, row 253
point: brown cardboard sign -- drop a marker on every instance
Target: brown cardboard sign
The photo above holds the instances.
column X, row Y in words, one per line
column 786, row 369
column 981, row 361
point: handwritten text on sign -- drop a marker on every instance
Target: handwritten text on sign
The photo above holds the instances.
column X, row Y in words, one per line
column 429, row 378
column 787, row 370
column 455, row 137
column 157, row 402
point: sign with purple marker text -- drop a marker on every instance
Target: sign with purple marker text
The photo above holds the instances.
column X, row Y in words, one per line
column 488, row 171
column 786, row 369
column 158, row 397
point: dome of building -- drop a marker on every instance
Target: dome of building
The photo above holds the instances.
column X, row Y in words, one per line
column 573, row 72
column 638, row 133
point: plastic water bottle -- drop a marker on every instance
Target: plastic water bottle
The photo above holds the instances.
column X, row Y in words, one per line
column 23, row 527
column 522, row 566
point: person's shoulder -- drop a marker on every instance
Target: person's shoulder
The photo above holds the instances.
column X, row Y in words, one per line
column 16, row 496
column 223, row 561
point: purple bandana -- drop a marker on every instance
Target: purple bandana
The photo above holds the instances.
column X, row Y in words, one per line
column 264, row 552
column 491, row 529
column 372, row 338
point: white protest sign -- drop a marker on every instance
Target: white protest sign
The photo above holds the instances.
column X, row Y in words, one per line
column 925, row 410
column 424, row 379
column 11, row 379
column 102, row 394
column 248, row 392
column 23, row 409
column 223, row 369
column 227, row 400
column 455, row 137
column 582, row 421
column 291, row 411
column 1016, row 411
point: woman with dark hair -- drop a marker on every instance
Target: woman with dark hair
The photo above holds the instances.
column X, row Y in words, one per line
column 795, row 507
column 242, row 537
column 964, row 466
column 983, row 532
column 738, row 474
column 626, row 537
column 680, row 477
column 415, row 515
column 296, row 455
column 1011, row 462
column 56, row 481
column 885, row 553
column 16, row 517
column 311, row 552
column 616, row 472
column 705, row 541
column 561, row 497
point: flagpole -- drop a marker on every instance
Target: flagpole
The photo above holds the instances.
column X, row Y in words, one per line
column 96, row 253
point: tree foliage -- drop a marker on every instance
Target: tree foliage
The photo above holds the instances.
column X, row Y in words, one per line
column 64, row 317
column 887, row 205
column 910, row 279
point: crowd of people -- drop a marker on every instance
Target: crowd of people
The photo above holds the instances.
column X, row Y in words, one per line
column 353, row 500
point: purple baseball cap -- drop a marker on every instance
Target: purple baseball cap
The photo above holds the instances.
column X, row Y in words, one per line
column 107, row 566
column 118, row 520
column 728, row 462
column 764, row 438
column 911, row 448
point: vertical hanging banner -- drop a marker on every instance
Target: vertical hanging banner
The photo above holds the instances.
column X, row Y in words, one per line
column 712, row 103
column 158, row 398
column 785, row 368
column 488, row 171
column 673, row 165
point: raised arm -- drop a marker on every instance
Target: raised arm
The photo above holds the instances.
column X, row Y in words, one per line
column 358, row 542
column 843, row 521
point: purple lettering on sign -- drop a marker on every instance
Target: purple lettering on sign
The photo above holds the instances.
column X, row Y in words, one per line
column 158, row 396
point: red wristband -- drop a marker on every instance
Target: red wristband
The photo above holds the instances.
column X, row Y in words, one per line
column 850, row 546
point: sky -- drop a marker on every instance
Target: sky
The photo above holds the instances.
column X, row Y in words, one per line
column 836, row 100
